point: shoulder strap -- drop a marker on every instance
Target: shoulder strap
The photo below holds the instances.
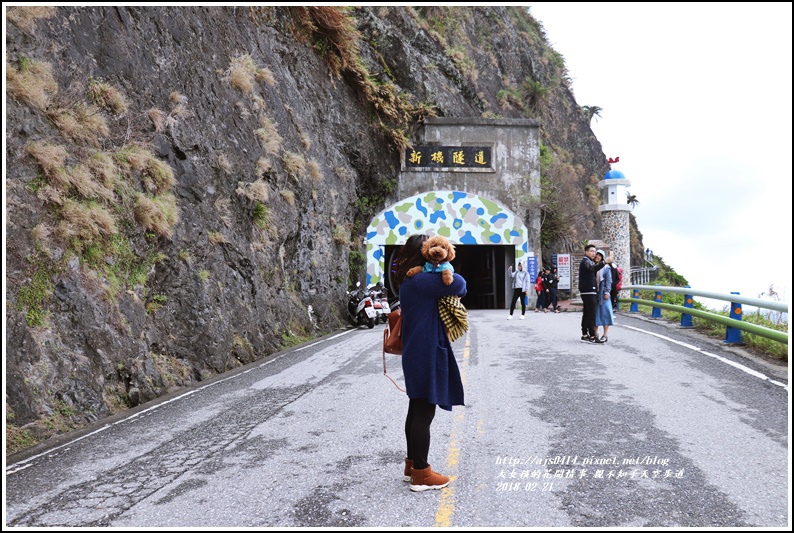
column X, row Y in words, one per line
column 394, row 327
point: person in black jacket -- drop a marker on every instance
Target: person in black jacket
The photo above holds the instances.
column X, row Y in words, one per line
column 553, row 280
column 613, row 291
column 588, row 291
column 545, row 277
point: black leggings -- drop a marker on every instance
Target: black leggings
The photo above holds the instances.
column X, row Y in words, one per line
column 417, row 430
column 518, row 294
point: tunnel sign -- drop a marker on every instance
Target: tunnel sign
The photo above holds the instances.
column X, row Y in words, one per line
column 447, row 157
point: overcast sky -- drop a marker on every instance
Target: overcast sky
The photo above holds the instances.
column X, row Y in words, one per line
column 696, row 102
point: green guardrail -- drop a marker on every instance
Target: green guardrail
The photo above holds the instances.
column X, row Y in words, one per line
column 734, row 322
column 755, row 329
column 738, row 298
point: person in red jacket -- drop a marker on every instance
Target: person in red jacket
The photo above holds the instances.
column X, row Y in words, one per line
column 539, row 291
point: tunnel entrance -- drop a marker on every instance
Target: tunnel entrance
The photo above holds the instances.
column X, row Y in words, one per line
column 483, row 267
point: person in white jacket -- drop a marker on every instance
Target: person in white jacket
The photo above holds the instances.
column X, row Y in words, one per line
column 520, row 284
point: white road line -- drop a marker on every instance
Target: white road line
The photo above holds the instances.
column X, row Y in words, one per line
column 21, row 465
column 695, row 348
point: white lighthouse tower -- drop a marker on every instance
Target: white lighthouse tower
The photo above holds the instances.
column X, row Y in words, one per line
column 615, row 218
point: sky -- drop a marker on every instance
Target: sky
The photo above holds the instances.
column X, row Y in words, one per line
column 695, row 99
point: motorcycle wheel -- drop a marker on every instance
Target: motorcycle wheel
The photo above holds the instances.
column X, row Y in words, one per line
column 353, row 321
column 371, row 323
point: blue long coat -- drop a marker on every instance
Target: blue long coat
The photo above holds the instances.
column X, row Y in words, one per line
column 604, row 315
column 429, row 365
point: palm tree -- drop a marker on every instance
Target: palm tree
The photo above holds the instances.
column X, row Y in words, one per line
column 632, row 199
column 592, row 111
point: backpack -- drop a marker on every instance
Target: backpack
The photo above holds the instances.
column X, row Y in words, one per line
column 617, row 279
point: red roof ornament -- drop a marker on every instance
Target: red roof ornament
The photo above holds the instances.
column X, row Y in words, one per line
column 617, row 159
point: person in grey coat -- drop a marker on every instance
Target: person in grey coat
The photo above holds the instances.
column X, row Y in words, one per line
column 520, row 284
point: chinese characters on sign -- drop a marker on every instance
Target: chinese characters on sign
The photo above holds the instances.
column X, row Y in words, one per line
column 563, row 262
column 448, row 157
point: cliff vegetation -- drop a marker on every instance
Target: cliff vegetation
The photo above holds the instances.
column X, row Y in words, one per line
column 187, row 188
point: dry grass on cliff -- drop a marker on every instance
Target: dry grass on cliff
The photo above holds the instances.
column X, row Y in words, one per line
column 243, row 73
column 80, row 123
column 257, row 191
column 336, row 36
column 32, row 84
column 61, row 178
column 158, row 118
column 263, row 166
column 158, row 214
column 223, row 163
column 50, row 157
column 87, row 222
column 333, row 33
column 156, row 175
column 294, row 165
column 25, row 18
column 82, row 179
column 341, row 235
column 216, row 237
column 288, row 196
column 103, row 167
column 265, row 75
column 107, row 97
column 314, row 171
column 268, row 135
column 222, row 206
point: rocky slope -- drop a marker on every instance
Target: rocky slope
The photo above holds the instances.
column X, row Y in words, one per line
column 187, row 187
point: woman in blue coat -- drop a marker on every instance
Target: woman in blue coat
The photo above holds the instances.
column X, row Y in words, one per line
column 604, row 317
column 432, row 377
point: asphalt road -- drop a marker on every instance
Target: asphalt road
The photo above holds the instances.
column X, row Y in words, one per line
column 660, row 427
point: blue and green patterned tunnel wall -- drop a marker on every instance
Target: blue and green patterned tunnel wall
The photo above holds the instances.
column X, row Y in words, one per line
column 464, row 218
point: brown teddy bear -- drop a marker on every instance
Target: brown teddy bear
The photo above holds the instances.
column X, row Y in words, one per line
column 438, row 252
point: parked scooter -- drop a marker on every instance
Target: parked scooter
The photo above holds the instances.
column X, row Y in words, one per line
column 360, row 309
column 379, row 300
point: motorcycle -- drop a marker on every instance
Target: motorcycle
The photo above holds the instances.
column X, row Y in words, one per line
column 360, row 309
column 380, row 302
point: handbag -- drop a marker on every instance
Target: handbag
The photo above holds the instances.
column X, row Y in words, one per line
column 393, row 340
column 392, row 335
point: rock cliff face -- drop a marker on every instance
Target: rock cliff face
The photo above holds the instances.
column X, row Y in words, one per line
column 188, row 187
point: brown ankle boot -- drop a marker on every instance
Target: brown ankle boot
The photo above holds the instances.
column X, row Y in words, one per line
column 409, row 464
column 426, row 479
